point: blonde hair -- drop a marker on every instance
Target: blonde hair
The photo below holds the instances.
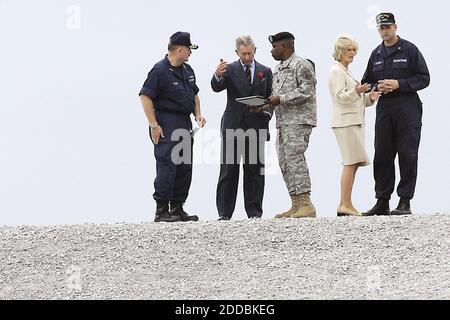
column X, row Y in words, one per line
column 342, row 43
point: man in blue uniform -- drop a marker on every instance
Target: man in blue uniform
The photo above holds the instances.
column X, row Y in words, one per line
column 169, row 96
column 398, row 70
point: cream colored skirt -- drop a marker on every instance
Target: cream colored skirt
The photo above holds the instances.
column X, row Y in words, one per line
column 351, row 143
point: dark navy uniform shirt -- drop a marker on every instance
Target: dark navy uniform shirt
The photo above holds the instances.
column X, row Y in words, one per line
column 402, row 62
column 172, row 90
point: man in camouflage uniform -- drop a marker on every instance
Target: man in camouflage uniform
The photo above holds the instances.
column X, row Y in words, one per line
column 294, row 100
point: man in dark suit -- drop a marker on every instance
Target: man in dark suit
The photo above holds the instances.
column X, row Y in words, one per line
column 243, row 131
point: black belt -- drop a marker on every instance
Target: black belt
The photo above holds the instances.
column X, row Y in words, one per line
column 174, row 112
column 397, row 95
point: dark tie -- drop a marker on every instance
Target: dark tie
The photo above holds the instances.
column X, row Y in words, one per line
column 248, row 74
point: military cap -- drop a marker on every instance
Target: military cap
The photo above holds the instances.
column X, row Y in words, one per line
column 281, row 37
column 385, row 19
column 182, row 39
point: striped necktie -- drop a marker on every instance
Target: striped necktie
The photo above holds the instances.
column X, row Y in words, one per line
column 248, row 74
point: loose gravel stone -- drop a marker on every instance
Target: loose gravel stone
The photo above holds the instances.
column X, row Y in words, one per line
column 345, row 258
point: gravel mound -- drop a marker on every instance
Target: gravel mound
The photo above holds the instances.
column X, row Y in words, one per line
column 345, row 258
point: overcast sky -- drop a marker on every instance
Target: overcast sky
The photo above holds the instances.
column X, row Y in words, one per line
column 74, row 138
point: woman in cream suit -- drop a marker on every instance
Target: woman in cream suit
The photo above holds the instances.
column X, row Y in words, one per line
column 349, row 102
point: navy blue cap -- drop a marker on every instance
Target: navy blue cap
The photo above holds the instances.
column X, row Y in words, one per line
column 182, row 39
column 281, row 36
column 385, row 19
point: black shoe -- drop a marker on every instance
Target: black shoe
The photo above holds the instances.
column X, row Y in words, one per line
column 176, row 208
column 381, row 208
column 224, row 218
column 162, row 213
column 403, row 208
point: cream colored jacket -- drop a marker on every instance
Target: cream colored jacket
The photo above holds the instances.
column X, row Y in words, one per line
column 348, row 105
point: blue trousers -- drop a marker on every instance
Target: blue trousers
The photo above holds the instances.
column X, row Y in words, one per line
column 397, row 132
column 172, row 180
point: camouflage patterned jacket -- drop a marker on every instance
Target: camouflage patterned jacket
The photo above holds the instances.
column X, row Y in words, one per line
column 295, row 82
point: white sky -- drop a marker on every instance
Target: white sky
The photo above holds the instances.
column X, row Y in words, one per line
column 74, row 146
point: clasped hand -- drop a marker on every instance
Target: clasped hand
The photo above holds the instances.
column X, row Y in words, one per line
column 387, row 86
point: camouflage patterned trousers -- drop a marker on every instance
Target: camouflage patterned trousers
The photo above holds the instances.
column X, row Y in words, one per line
column 292, row 142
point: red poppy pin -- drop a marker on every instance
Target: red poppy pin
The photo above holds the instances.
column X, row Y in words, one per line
column 261, row 75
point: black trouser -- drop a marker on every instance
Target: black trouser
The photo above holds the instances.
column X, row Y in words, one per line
column 253, row 166
column 397, row 131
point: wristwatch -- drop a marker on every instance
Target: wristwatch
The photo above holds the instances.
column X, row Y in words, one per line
column 153, row 125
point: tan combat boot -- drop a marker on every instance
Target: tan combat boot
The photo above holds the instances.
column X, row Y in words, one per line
column 295, row 205
column 306, row 208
